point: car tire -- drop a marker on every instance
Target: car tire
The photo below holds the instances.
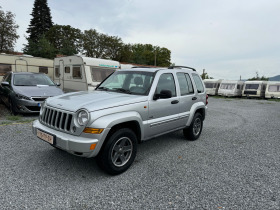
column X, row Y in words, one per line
column 119, row 152
column 12, row 108
column 193, row 132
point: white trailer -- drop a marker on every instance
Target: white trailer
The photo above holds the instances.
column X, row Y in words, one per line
column 231, row 88
column 25, row 63
column 212, row 86
column 272, row 89
column 254, row 89
column 77, row 73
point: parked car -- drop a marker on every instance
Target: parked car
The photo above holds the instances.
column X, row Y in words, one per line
column 24, row 92
column 129, row 107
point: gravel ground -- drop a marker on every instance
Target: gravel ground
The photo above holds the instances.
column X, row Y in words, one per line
column 233, row 165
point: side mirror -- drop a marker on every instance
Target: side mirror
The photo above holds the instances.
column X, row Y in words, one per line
column 5, row 83
column 58, row 84
column 163, row 94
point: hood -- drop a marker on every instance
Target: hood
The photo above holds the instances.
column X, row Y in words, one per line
column 42, row 91
column 93, row 100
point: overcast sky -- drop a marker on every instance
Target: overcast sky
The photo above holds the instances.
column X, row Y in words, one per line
column 227, row 38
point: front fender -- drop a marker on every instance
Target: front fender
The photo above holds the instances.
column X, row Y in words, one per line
column 110, row 120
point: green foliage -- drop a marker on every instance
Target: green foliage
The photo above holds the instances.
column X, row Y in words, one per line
column 65, row 39
column 100, row 45
column 43, row 48
column 204, row 75
column 41, row 20
column 40, row 24
column 8, row 31
column 259, row 78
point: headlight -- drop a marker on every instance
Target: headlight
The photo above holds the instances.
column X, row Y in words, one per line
column 19, row 96
column 82, row 117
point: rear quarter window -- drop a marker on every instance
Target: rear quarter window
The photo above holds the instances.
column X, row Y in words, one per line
column 198, row 83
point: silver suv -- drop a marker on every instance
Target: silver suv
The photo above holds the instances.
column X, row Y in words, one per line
column 128, row 107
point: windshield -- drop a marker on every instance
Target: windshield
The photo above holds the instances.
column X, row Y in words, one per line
column 252, row 86
column 138, row 83
column 228, row 86
column 32, row 80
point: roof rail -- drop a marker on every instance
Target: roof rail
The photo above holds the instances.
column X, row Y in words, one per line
column 180, row 67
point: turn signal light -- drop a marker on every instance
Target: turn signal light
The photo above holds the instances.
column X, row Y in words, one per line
column 93, row 130
column 92, row 147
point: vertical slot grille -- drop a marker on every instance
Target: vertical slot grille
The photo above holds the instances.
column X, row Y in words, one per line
column 57, row 119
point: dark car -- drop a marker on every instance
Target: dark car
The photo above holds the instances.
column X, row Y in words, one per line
column 23, row 92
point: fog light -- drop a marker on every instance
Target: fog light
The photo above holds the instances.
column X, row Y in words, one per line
column 93, row 130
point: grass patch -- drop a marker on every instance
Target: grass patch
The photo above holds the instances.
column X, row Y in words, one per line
column 13, row 118
column 274, row 99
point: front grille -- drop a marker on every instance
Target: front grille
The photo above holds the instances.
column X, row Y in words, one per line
column 250, row 92
column 39, row 98
column 56, row 119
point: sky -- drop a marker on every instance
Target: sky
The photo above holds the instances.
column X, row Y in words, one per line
column 229, row 39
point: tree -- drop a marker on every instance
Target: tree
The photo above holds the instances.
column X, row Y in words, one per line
column 259, row 78
column 99, row 45
column 40, row 24
column 65, row 39
column 43, row 48
column 8, row 31
column 204, row 75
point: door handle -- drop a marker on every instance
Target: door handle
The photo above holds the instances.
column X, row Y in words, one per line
column 175, row 102
column 194, row 98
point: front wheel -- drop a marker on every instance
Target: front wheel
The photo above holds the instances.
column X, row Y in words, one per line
column 193, row 132
column 119, row 151
column 12, row 107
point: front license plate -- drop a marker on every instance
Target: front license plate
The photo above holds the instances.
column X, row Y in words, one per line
column 45, row 136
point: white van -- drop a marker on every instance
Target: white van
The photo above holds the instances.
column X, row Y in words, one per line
column 231, row 88
column 77, row 73
column 254, row 89
column 25, row 63
column 212, row 86
column 273, row 90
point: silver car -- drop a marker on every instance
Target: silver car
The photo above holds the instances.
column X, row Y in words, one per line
column 24, row 92
column 129, row 107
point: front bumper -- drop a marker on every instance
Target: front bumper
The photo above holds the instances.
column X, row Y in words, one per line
column 76, row 145
column 26, row 106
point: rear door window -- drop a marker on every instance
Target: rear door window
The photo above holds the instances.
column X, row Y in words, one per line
column 198, row 83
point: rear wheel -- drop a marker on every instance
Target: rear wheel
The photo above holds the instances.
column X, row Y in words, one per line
column 119, row 151
column 193, row 132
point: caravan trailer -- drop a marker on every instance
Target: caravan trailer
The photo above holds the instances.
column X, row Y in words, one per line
column 212, row 86
column 273, row 90
column 254, row 89
column 25, row 63
column 77, row 73
column 231, row 88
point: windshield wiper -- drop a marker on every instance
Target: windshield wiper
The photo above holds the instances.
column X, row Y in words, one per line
column 123, row 90
column 102, row 88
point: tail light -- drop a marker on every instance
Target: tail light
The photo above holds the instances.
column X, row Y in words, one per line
column 206, row 99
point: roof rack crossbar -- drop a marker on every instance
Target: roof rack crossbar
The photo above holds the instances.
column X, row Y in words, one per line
column 174, row 67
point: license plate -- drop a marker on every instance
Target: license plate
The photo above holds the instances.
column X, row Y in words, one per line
column 45, row 136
